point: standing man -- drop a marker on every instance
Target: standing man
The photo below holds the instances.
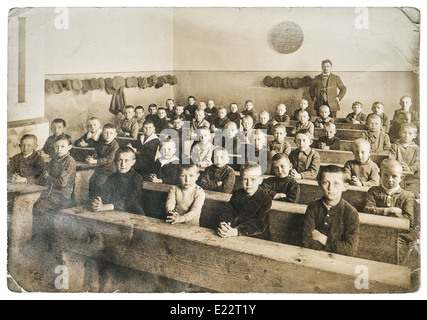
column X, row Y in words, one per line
column 327, row 89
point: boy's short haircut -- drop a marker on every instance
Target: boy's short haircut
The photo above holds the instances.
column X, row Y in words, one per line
column 58, row 120
column 264, row 112
column 64, row 136
column 357, row 103
column 326, row 61
column 28, row 136
column 191, row 97
column 409, row 125
column 222, row 108
column 281, row 105
column 377, row 103
column 183, row 167
column 94, row 118
column 109, row 126
column 125, row 150
column 177, row 117
column 306, row 132
column 139, row 108
column 304, row 100
column 248, row 166
column 222, row 149
column 166, row 141
column 280, row 156
column 248, row 117
column 129, row 107
column 323, row 106
column 170, row 100
column 302, row 111
column 148, row 122
column 329, row 125
column 233, row 103
column 405, row 96
column 153, row 105
column 249, row 101
column 358, row 142
column 330, row 169
column 203, row 129
column 199, row 110
column 161, row 108
column 372, row 115
column 389, row 163
column 230, row 124
column 279, row 126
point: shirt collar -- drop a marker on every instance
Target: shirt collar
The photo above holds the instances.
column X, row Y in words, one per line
column 306, row 152
column 25, row 157
column 95, row 136
column 391, row 191
column 152, row 137
column 338, row 206
column 166, row 161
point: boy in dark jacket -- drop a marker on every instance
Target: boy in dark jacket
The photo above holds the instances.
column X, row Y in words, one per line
column 166, row 168
column 123, row 189
column 331, row 224
column 218, row 177
column 249, row 214
column 103, row 155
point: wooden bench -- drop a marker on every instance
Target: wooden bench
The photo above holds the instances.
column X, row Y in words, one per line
column 199, row 257
column 345, row 145
column 286, row 222
column 338, row 124
column 343, row 134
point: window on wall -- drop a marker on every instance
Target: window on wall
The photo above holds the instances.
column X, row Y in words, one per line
column 22, row 26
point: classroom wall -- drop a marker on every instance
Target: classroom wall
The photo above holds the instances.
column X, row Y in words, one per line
column 224, row 54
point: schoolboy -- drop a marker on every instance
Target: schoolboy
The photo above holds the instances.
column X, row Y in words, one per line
column 199, row 121
column 103, row 155
column 147, row 145
column 190, row 109
column 406, row 105
column 234, row 114
column 357, row 116
column 378, row 108
column 247, row 134
column 331, row 224
column 282, row 187
column 139, row 116
column 166, row 168
column 389, row 199
column 304, row 123
column 250, row 111
column 122, row 190
column 211, row 111
column 249, row 213
column 27, row 166
column 219, row 177
column 303, row 105
column 92, row 136
column 324, row 112
column 177, row 123
column 281, row 116
column 128, row 127
column 264, row 123
column 362, row 171
column 379, row 140
column 305, row 160
column 233, row 144
column 220, row 121
column 329, row 141
column 152, row 113
column 405, row 150
column 201, row 152
column 161, row 123
column 170, row 108
column 179, row 111
column 59, row 177
column 185, row 201
column 279, row 144
column 58, row 127
column 402, row 117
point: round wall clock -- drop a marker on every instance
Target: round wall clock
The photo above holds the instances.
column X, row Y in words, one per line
column 287, row 37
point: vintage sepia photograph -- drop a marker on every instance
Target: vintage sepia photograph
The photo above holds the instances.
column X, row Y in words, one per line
column 213, row 150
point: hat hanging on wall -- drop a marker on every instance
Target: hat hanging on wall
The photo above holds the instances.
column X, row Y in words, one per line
column 94, row 84
column 277, row 82
column 47, row 86
column 77, row 84
column 131, row 82
column 159, row 82
column 268, row 81
column 57, row 87
column 66, row 84
column 101, row 82
column 174, row 80
column 86, row 86
column 118, row 82
column 109, row 86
